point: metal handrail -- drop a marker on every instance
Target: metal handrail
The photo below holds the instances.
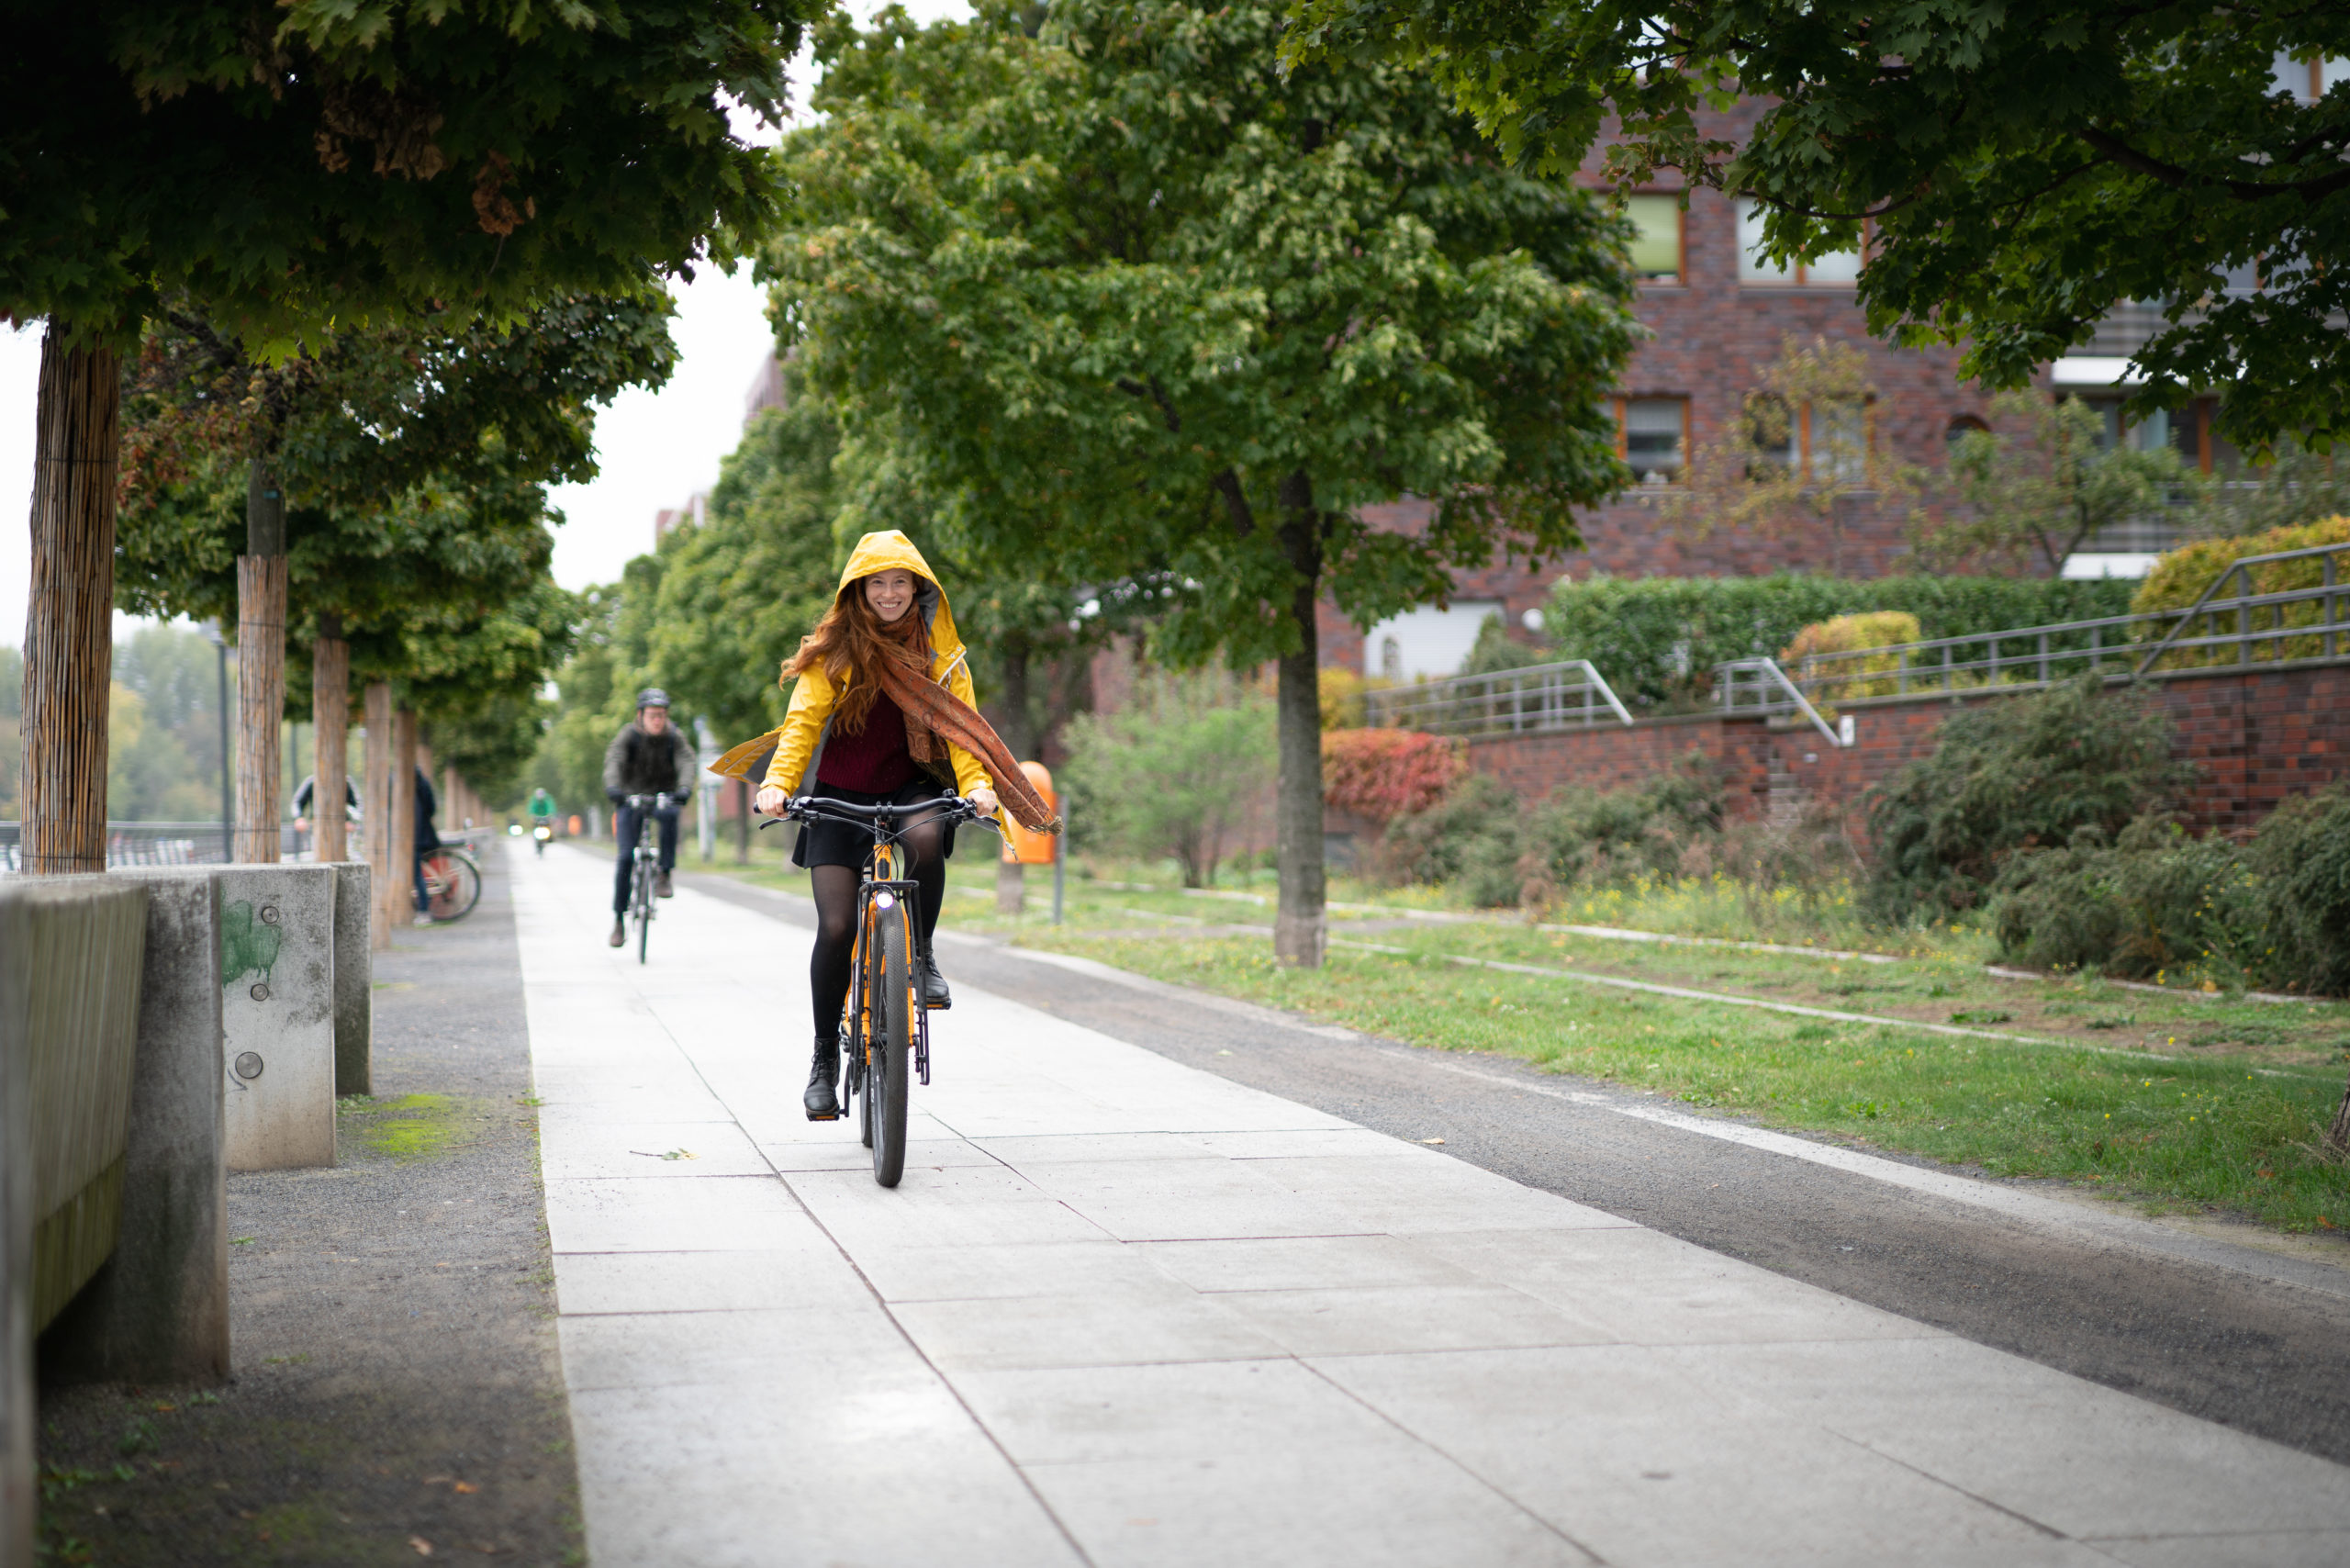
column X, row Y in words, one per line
column 2236, row 568
column 1567, row 695
column 1728, row 687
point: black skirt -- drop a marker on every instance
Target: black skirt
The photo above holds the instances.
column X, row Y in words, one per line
column 844, row 844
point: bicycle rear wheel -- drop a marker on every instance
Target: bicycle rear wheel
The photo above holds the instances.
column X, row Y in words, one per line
column 452, row 885
column 892, row 1015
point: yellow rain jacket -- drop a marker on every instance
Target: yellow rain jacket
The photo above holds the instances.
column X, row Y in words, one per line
column 801, row 740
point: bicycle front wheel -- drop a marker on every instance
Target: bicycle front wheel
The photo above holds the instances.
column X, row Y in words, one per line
column 642, row 904
column 452, row 885
column 892, row 1014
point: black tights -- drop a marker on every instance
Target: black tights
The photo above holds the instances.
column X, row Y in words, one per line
column 925, row 846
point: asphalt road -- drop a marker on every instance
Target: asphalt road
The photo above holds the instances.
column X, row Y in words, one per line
column 2263, row 1355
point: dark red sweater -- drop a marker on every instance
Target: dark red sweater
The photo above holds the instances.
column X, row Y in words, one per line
column 875, row 761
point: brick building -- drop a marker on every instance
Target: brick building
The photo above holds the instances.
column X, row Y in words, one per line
column 1720, row 317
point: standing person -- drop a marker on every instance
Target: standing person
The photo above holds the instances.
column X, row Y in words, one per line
column 310, row 787
column 427, row 841
column 649, row 756
column 883, row 711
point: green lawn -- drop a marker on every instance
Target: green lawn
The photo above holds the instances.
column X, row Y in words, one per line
column 2174, row 1098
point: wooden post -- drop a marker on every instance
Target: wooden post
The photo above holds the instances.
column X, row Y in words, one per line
column 329, row 739
column 742, row 821
column 261, row 704
column 69, row 620
column 403, row 823
column 375, row 811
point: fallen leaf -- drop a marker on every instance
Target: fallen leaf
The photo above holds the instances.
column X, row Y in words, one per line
column 1431, row 1140
column 423, row 1547
column 468, row 1486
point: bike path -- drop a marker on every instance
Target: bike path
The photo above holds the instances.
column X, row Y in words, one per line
column 1124, row 1311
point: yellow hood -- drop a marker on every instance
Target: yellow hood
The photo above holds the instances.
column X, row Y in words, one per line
column 883, row 552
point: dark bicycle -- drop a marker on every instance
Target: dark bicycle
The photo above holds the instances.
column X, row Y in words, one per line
column 645, row 866
column 885, row 1028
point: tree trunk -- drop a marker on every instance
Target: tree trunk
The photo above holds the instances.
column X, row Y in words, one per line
column 261, row 704
column 1015, row 731
column 376, row 812
column 2337, row 1136
column 403, row 823
column 1301, row 924
column 742, row 821
column 69, row 620
column 329, row 739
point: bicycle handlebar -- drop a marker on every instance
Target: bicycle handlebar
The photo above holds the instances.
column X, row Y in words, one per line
column 820, row 808
column 657, row 801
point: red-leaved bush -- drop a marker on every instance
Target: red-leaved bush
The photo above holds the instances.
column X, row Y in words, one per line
column 1382, row 774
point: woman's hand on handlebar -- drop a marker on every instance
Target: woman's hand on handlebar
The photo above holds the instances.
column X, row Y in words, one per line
column 984, row 801
column 772, row 801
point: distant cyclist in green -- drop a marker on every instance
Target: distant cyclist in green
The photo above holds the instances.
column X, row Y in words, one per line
column 541, row 810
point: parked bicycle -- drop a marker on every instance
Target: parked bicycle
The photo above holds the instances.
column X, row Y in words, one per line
column 452, row 883
column 645, row 868
column 885, row 1028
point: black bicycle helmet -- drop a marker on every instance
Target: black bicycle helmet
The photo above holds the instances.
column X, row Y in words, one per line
column 651, row 696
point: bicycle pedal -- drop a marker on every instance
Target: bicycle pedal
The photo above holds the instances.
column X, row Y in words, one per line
column 836, row 1117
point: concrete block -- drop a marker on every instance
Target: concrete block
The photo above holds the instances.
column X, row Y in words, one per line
column 157, row 1311
column 70, row 947
column 354, row 979
column 277, row 1014
column 18, row 1462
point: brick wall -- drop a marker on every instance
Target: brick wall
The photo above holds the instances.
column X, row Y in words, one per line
column 2254, row 739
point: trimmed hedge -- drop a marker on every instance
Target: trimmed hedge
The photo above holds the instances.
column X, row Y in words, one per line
column 1658, row 639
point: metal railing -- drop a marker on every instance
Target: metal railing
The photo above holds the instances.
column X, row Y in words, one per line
column 157, row 843
column 1538, row 700
column 2305, row 621
column 1760, row 686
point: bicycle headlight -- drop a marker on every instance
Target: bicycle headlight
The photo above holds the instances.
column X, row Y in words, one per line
column 885, row 899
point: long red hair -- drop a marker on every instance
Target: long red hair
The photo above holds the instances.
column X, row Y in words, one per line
column 849, row 644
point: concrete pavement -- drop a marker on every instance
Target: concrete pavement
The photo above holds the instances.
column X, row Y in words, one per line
column 1122, row 1311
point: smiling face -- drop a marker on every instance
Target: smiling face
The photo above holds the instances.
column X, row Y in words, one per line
column 891, row 593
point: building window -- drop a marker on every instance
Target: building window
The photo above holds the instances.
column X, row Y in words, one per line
column 1839, row 269
column 1652, row 437
column 1820, row 443
column 1656, row 237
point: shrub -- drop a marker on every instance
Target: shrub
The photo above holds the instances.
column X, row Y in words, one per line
column 1342, row 691
column 2014, row 773
column 2302, row 856
column 1176, row 771
column 1473, row 836
column 2152, row 900
column 1501, row 853
column 2179, row 579
column 1384, row 774
column 1658, row 639
column 1495, row 651
column 1848, row 635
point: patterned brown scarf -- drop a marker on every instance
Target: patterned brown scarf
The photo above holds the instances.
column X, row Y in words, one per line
column 935, row 717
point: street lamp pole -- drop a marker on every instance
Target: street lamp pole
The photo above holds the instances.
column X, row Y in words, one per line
column 227, row 799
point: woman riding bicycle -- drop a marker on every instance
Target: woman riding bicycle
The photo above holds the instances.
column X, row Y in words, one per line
column 883, row 711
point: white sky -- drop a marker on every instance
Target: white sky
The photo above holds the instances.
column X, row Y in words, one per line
column 655, row 449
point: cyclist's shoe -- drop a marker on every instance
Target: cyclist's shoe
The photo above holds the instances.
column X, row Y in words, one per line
column 821, row 1101
column 619, row 934
column 422, row 920
column 934, row 995
column 661, row 888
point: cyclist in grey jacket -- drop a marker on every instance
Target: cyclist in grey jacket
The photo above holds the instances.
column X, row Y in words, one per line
column 649, row 756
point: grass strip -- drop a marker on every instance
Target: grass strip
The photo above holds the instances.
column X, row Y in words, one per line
column 2190, row 1132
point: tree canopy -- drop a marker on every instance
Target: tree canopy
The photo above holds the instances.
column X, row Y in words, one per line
column 1138, row 309
column 295, row 162
column 2019, row 168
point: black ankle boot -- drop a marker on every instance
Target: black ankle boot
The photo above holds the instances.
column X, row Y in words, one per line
column 822, row 1101
column 934, row 995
